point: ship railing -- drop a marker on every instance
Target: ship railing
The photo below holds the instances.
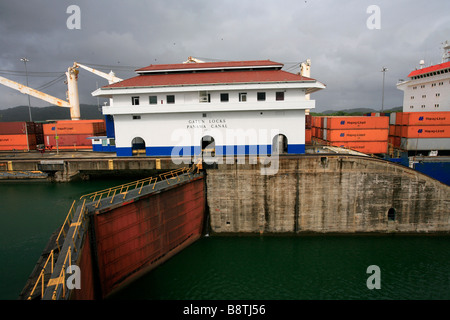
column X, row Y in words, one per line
column 124, row 189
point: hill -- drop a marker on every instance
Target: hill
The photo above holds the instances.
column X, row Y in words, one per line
column 353, row 112
column 20, row 113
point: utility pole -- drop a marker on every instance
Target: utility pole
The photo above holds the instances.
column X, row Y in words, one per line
column 384, row 69
column 25, row 60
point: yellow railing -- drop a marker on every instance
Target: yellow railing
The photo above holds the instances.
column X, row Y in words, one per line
column 95, row 196
column 41, row 278
column 124, row 189
column 62, row 275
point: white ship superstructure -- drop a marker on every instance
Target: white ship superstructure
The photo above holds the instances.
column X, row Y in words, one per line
column 428, row 88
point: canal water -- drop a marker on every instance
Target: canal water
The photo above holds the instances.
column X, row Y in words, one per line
column 238, row 267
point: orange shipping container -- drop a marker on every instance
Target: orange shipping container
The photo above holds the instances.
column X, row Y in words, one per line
column 367, row 147
column 91, row 127
column 357, row 122
column 18, row 141
column 426, row 118
column 426, row 131
column 358, row 135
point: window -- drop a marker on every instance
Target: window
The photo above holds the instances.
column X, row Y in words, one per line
column 422, row 86
column 436, row 105
column 412, row 97
column 136, row 117
column 279, row 96
column 261, row 96
column 135, row 101
column 204, row 96
column 424, row 96
column 153, row 99
column 423, row 106
column 438, row 94
column 224, row 97
column 411, row 107
column 170, row 98
column 441, row 83
column 243, row 96
column 433, row 84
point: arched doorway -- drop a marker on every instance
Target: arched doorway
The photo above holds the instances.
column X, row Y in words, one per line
column 138, row 146
column 208, row 146
column 279, row 144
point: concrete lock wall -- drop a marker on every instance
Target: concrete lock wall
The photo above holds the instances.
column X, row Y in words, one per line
column 326, row 194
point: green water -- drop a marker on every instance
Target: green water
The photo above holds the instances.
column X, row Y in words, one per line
column 29, row 213
column 233, row 268
column 292, row 268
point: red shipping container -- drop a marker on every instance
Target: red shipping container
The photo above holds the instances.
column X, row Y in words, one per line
column 357, row 122
column 19, row 127
column 426, row 131
column 308, row 134
column 358, row 135
column 69, row 140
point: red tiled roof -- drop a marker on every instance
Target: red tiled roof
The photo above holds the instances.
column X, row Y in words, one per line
column 207, row 78
column 436, row 67
column 210, row 65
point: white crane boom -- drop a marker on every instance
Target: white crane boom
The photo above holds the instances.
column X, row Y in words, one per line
column 111, row 77
column 32, row 92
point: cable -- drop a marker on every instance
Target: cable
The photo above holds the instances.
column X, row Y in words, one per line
column 50, row 83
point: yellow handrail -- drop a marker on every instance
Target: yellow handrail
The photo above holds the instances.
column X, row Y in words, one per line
column 174, row 174
column 42, row 275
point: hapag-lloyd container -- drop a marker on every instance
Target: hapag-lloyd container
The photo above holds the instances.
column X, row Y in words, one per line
column 357, row 122
column 358, row 135
column 426, row 131
column 91, row 127
column 425, row 118
column 367, row 147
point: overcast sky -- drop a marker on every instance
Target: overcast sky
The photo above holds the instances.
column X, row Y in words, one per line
column 346, row 55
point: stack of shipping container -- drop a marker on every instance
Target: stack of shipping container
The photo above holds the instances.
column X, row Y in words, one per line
column 412, row 131
column 364, row 134
column 72, row 135
column 20, row 136
column 308, row 129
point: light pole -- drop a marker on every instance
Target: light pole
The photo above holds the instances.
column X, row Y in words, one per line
column 384, row 69
column 25, row 60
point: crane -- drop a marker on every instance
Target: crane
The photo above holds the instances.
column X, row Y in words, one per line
column 73, row 101
column 111, row 77
column 72, row 93
column 193, row 60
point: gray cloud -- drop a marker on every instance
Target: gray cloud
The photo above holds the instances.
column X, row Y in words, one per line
column 345, row 54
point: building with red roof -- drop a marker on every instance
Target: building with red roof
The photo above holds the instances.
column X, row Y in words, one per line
column 224, row 108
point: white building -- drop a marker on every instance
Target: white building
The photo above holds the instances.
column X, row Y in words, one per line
column 235, row 107
column 428, row 89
